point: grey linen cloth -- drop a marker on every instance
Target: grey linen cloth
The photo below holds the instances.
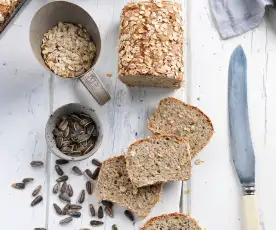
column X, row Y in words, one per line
column 235, row 17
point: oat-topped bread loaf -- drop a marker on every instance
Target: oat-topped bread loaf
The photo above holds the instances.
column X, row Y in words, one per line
column 158, row 159
column 173, row 221
column 151, row 45
column 114, row 185
column 173, row 117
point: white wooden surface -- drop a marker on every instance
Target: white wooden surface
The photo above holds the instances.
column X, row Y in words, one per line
column 28, row 95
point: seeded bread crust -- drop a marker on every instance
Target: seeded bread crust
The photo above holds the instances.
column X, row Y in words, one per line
column 149, row 225
column 138, row 196
column 157, row 166
column 154, row 127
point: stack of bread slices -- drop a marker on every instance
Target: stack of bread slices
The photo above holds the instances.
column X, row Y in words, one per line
column 135, row 178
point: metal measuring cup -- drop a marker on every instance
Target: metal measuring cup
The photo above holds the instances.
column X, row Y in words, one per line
column 48, row 17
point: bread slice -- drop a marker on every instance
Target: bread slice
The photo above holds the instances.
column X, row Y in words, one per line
column 173, row 221
column 114, row 185
column 173, row 117
column 158, row 159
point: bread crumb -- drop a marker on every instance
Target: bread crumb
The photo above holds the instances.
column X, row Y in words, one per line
column 109, row 75
column 198, row 162
column 187, row 191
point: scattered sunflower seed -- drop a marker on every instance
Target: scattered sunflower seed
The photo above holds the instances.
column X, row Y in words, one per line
column 107, row 203
column 69, row 190
column 81, row 197
column 74, row 214
column 75, row 207
column 66, row 220
column 109, row 212
column 89, row 187
column 64, row 197
column 37, row 200
column 76, row 170
column 62, row 178
column 63, row 187
column 96, row 223
column 37, row 190
column 96, row 173
column 114, row 227
column 100, row 212
column 92, row 210
column 129, row 215
column 56, row 188
column 27, row 180
column 66, row 209
column 18, row 185
column 96, row 162
column 57, row 209
column 61, row 162
column 59, row 170
column 89, row 173
column 36, row 163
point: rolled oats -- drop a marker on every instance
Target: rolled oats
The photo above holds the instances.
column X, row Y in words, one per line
column 67, row 50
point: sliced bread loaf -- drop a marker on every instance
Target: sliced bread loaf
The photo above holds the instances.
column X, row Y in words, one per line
column 114, row 185
column 173, row 117
column 173, row 221
column 158, row 159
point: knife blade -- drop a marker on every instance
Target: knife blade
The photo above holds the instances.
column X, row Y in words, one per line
column 240, row 135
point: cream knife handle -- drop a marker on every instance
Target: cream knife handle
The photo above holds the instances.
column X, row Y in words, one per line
column 251, row 215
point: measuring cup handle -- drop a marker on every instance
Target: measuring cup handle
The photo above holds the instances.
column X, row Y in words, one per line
column 95, row 87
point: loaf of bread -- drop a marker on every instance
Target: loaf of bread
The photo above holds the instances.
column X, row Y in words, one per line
column 151, row 45
column 173, row 221
column 158, row 159
column 173, row 117
column 114, row 185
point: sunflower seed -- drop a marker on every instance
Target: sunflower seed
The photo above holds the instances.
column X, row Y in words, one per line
column 56, row 188
column 81, row 197
column 66, row 220
column 59, row 141
column 75, row 117
column 64, row 197
column 129, row 215
column 114, row 227
column 84, row 115
column 91, row 145
column 109, row 211
column 100, row 212
column 63, row 125
column 57, row 132
column 69, row 190
column 96, row 173
column 18, row 185
column 77, row 127
column 96, row 162
column 66, row 143
column 89, row 187
column 92, row 210
column 88, row 173
column 57, row 209
column 75, row 207
column 63, row 187
column 96, row 223
column 84, row 122
column 40, row 229
column 107, row 203
column 61, row 161
column 66, row 209
column 36, row 163
column 27, row 180
column 37, row 200
column 37, row 190
column 66, row 132
column 76, row 170
column 59, row 170
column 90, row 128
column 74, row 214
column 62, row 178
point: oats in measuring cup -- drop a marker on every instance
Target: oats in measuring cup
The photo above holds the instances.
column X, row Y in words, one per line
column 67, row 50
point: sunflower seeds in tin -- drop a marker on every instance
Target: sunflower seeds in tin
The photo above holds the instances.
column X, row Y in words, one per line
column 129, row 215
column 109, row 211
column 37, row 190
column 59, row 170
column 107, row 203
column 36, row 163
column 27, row 180
column 66, row 209
column 114, row 227
column 89, row 173
column 18, row 185
column 96, row 173
column 63, row 187
column 89, row 187
column 69, row 190
column 96, row 162
column 57, row 209
column 64, row 197
column 56, row 188
column 100, row 212
column 76, row 170
column 37, row 200
column 75, row 207
column 81, row 197
column 74, row 214
column 66, row 220
column 62, row 178
column 61, row 162
column 92, row 210
column 96, row 223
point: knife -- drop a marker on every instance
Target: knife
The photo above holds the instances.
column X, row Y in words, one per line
column 240, row 136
